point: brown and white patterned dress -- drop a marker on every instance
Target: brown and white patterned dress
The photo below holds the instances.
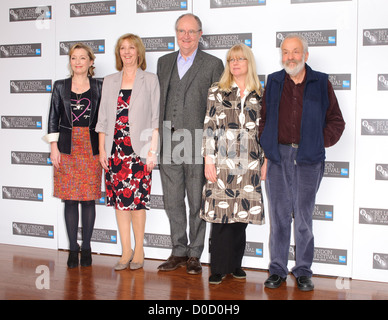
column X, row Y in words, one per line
column 230, row 137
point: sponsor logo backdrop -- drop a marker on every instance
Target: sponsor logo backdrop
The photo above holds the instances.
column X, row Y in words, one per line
column 348, row 40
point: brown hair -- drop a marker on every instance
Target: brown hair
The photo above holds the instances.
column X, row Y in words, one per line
column 90, row 53
column 138, row 43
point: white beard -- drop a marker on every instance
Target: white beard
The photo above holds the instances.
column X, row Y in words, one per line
column 295, row 70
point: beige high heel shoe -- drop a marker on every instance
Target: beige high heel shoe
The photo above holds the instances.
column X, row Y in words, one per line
column 137, row 265
column 122, row 266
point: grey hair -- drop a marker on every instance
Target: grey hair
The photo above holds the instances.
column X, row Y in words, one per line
column 199, row 22
column 298, row 36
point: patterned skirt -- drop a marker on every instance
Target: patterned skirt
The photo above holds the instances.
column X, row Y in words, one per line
column 79, row 174
column 128, row 183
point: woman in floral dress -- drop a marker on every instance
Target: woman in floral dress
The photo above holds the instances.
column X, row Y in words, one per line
column 128, row 140
column 232, row 195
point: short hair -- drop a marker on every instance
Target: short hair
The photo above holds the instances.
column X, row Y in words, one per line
column 90, row 53
column 297, row 36
column 199, row 22
column 138, row 43
column 252, row 82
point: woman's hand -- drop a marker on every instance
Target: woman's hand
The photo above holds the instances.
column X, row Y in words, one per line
column 55, row 155
column 210, row 169
column 151, row 161
column 103, row 160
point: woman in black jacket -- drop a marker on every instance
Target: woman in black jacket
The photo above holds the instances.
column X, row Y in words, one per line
column 74, row 148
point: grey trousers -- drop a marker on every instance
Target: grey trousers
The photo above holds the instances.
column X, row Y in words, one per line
column 179, row 180
column 291, row 190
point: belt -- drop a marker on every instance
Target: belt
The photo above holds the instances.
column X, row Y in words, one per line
column 294, row 145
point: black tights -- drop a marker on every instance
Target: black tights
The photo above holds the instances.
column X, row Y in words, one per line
column 71, row 219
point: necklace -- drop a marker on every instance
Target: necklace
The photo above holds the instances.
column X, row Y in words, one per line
column 78, row 101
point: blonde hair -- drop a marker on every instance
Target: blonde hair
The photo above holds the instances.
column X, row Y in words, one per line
column 138, row 43
column 90, row 53
column 252, row 82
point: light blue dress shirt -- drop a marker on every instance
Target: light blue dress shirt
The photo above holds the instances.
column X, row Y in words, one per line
column 184, row 65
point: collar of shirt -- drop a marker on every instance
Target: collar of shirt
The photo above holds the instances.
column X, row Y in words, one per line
column 185, row 64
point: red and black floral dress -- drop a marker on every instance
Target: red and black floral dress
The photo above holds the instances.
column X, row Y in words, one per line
column 128, row 183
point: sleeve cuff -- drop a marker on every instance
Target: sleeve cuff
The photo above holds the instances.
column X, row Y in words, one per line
column 51, row 137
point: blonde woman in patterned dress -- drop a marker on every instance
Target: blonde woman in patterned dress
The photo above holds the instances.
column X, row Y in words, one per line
column 232, row 195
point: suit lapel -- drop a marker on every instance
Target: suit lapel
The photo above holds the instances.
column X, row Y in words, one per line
column 196, row 66
column 170, row 68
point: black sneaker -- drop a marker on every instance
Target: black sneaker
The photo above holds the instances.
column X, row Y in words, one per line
column 216, row 278
column 239, row 274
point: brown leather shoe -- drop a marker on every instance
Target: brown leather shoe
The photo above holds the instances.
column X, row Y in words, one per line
column 193, row 266
column 172, row 263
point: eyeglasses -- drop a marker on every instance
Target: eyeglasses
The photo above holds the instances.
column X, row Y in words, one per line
column 237, row 60
column 191, row 33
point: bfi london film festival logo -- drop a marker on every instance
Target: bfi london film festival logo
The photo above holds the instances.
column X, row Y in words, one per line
column 314, row 38
column 224, row 41
column 382, row 82
column 21, row 122
column 31, row 158
column 380, row 261
column 101, row 235
column 28, row 50
column 341, row 81
column 97, row 8
column 375, row 37
column 323, row 212
column 324, row 255
column 381, row 172
column 30, row 86
column 22, row 193
column 373, row 216
column 41, row 14
column 214, row 4
column 159, row 44
column 143, row 6
column 335, row 169
column 374, row 127
column 98, row 46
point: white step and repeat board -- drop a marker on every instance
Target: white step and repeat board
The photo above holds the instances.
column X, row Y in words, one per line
column 348, row 39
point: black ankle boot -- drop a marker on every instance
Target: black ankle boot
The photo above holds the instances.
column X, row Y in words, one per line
column 72, row 261
column 86, row 258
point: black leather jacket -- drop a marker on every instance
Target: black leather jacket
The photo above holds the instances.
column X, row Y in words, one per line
column 60, row 116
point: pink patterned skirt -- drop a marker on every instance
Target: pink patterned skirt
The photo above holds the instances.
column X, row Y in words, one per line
column 79, row 174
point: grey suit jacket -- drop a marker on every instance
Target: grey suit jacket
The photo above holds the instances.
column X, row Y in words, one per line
column 207, row 69
column 143, row 115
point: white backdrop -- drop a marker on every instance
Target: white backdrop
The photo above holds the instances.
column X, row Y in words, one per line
column 348, row 40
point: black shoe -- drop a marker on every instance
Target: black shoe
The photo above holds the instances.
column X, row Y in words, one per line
column 72, row 260
column 239, row 274
column 304, row 283
column 216, row 278
column 86, row 258
column 274, row 281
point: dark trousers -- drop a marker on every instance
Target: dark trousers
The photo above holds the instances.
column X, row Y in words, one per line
column 227, row 247
column 291, row 191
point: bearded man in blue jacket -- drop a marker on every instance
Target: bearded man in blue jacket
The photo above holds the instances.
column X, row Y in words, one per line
column 300, row 117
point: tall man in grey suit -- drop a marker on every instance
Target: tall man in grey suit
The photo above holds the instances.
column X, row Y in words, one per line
column 185, row 77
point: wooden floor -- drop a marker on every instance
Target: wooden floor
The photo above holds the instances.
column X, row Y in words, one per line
column 19, row 280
